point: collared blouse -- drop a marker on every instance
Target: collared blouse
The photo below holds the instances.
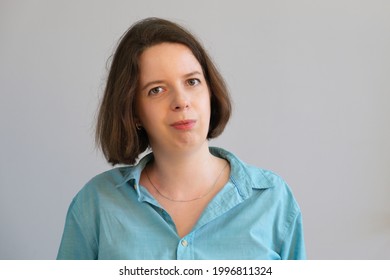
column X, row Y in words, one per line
column 254, row 216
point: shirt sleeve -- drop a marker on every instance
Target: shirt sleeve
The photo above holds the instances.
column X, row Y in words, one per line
column 293, row 247
column 78, row 241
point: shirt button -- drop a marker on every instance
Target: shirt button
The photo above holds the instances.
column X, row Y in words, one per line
column 184, row 243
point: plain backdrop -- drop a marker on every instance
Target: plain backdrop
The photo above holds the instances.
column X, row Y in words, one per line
column 310, row 81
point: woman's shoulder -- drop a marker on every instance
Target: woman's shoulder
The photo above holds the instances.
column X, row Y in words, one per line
column 105, row 184
column 241, row 170
column 110, row 178
column 248, row 176
column 112, row 182
column 274, row 191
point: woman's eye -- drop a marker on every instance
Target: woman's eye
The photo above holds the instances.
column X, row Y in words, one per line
column 155, row 90
column 193, row 82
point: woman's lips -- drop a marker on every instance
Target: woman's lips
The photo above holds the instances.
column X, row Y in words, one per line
column 184, row 124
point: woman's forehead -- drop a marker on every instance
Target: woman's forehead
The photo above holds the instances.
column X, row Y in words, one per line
column 167, row 59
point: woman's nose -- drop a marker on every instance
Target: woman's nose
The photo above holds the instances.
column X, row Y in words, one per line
column 180, row 100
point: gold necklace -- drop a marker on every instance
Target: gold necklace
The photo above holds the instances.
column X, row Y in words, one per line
column 189, row 200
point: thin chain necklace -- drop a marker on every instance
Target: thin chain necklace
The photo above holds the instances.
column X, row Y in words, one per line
column 189, row 200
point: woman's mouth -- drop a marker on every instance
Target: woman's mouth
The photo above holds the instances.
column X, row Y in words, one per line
column 184, row 124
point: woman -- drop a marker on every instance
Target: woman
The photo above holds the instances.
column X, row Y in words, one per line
column 184, row 200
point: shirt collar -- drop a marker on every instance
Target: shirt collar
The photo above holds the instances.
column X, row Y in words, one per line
column 132, row 174
column 245, row 177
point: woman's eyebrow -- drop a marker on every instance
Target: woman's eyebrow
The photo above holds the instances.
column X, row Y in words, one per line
column 192, row 74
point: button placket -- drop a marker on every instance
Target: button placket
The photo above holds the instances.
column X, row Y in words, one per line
column 185, row 249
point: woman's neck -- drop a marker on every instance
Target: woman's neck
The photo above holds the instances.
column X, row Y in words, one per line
column 185, row 175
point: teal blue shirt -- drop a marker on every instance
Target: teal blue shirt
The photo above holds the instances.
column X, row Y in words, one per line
column 254, row 216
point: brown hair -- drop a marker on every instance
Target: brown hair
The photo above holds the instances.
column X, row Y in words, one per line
column 116, row 131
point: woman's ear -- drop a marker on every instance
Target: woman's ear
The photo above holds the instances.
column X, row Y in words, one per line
column 138, row 125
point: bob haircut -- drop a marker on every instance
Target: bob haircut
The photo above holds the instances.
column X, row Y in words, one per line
column 116, row 130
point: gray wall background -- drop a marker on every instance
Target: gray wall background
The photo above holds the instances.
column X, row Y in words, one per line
column 309, row 79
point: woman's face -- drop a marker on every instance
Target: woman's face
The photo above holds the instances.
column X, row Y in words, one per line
column 173, row 102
